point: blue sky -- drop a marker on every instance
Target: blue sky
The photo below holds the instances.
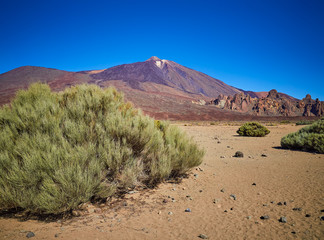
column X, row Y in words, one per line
column 254, row 44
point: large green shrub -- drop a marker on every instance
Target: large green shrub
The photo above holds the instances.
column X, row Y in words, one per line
column 253, row 129
column 310, row 138
column 58, row 150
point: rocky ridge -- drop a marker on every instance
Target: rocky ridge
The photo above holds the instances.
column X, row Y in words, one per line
column 275, row 104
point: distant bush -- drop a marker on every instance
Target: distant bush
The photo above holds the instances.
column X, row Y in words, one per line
column 304, row 122
column 310, row 138
column 285, row 122
column 253, row 129
column 58, row 150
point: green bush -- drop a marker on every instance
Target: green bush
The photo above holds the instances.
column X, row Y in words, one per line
column 58, row 150
column 253, row 129
column 304, row 122
column 310, row 138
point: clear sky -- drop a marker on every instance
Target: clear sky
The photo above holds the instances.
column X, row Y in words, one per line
column 250, row 44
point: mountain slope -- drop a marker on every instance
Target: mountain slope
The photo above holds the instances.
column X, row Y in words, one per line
column 167, row 73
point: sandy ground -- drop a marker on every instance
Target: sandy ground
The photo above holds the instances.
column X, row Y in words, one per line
column 296, row 179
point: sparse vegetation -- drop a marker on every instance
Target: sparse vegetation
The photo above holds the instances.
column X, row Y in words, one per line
column 58, row 150
column 253, row 129
column 310, row 138
column 304, row 122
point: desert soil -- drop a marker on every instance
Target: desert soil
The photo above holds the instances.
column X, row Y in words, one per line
column 294, row 178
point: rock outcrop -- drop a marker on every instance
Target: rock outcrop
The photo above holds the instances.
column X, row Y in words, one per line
column 275, row 104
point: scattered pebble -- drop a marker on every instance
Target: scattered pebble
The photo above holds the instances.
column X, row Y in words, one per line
column 238, row 154
column 297, row 209
column 265, row 205
column 159, row 212
column 200, row 190
column 283, row 219
column 307, row 215
column 272, row 202
column 293, row 232
column 263, row 155
column 132, row 192
column 233, row 196
column 170, row 213
column 125, row 204
column 279, row 203
column 173, row 189
column 249, row 217
column 222, row 190
column 195, row 175
column 203, row 236
column 322, row 218
column 75, row 213
column 216, row 200
column 56, row 235
column 322, row 210
column 225, row 211
column 265, row 217
column 165, row 201
column 231, row 209
column 254, row 184
column 188, row 210
column 222, row 156
column 30, row 234
column 228, row 146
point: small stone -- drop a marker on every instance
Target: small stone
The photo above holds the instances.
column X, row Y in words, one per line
column 222, row 190
column 200, row 190
column 170, row 213
column 249, row 217
column 254, row 184
column 272, row 202
column 90, row 210
column 249, row 156
column 231, row 209
column 159, row 212
column 56, row 235
column 188, row 210
column 30, row 234
column 165, row 201
column 132, row 192
column 173, row 189
column 228, row 146
column 265, row 217
column 322, row 218
column 183, row 188
column 173, row 200
column 283, row 219
column 225, row 211
column 216, row 200
column 297, row 209
column 307, row 215
column 263, row 155
column 203, row 236
column 265, row 205
column 97, row 210
column 279, row 203
column 222, row 156
column 125, row 204
column 195, row 175
column 238, row 154
column 322, row 210
column 293, row 232
column 218, row 141
column 75, row 213
column 233, row 196
column 285, row 203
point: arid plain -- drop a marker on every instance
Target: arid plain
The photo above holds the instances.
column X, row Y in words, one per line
column 267, row 181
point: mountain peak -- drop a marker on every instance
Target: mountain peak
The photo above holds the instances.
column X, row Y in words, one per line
column 153, row 58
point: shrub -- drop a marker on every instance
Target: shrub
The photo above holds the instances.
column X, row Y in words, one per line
column 58, row 150
column 310, row 138
column 304, row 122
column 253, row 129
